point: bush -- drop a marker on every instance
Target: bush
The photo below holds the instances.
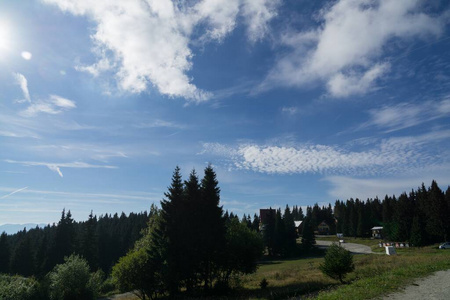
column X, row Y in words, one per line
column 18, row 288
column 72, row 280
column 263, row 284
column 134, row 272
column 338, row 262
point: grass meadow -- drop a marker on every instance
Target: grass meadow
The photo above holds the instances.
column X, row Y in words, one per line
column 375, row 275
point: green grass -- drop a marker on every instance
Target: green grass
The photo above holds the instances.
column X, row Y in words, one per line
column 377, row 275
column 374, row 275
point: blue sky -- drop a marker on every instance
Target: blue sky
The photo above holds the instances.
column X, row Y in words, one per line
column 293, row 102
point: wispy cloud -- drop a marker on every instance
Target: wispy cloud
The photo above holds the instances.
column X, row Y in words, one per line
column 292, row 110
column 22, row 81
column 14, row 192
column 148, row 43
column 53, row 105
column 160, row 124
column 55, row 167
column 388, row 156
column 346, row 47
column 405, row 115
column 99, row 152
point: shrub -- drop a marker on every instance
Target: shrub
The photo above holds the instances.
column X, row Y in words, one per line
column 134, row 272
column 263, row 284
column 18, row 288
column 338, row 262
column 72, row 280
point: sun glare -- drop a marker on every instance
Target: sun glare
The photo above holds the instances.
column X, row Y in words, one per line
column 5, row 37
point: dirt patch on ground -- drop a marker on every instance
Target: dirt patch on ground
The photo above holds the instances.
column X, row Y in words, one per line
column 434, row 287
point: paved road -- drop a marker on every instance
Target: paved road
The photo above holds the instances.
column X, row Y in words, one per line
column 434, row 287
column 353, row 248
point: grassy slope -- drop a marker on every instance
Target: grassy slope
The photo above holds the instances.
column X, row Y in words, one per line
column 375, row 275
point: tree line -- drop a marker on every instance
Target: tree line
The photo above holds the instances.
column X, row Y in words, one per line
column 190, row 245
column 420, row 217
column 101, row 241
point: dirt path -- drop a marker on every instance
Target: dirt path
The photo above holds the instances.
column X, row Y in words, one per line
column 353, row 248
column 434, row 287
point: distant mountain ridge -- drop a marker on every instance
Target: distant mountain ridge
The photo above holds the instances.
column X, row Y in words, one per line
column 14, row 228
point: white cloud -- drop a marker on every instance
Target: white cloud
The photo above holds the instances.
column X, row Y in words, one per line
column 389, row 156
column 258, row 14
column 13, row 192
column 343, row 85
column 54, row 105
column 62, row 102
column 346, row 49
column 55, row 167
column 22, row 81
column 160, row 124
column 98, row 152
column 405, row 115
column 147, row 43
column 290, row 110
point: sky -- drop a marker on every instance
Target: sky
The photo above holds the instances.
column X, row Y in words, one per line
column 292, row 102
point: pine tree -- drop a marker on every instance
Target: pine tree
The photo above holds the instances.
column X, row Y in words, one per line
column 4, row 253
column 212, row 226
column 404, row 215
column 280, row 235
column 166, row 250
column 291, row 234
column 308, row 238
column 22, row 259
column 437, row 213
column 90, row 242
column 268, row 232
column 255, row 223
column 417, row 236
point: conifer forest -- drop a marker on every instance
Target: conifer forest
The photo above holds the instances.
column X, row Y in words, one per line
column 188, row 245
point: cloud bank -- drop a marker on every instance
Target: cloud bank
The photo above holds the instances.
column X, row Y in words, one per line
column 389, row 156
column 148, row 43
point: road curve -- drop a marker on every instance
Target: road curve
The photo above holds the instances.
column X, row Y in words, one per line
column 353, row 248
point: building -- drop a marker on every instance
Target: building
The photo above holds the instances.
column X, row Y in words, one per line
column 377, row 232
column 323, row 228
column 298, row 227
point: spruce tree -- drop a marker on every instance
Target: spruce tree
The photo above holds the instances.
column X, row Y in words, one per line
column 279, row 244
column 437, row 216
column 167, row 245
column 192, row 236
column 90, row 242
column 308, row 238
column 212, row 226
column 291, row 234
column 255, row 223
column 4, row 253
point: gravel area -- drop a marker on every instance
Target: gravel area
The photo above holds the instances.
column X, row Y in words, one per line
column 434, row 287
column 353, row 248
